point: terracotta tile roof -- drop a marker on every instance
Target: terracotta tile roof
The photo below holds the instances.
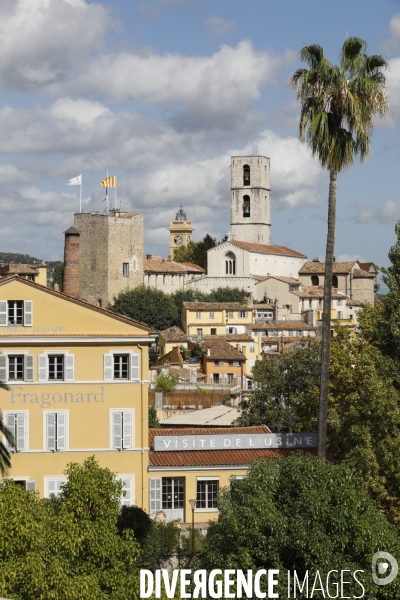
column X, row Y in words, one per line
column 360, row 274
column 158, row 264
column 264, row 249
column 240, row 337
column 351, row 302
column 18, row 269
column 286, row 339
column 174, row 334
column 283, row 325
column 185, row 373
column 53, row 292
column 263, row 306
column 215, row 306
column 337, row 267
column 220, row 349
column 200, row 324
column 314, row 291
column 291, row 280
column 367, row 267
column 213, row 457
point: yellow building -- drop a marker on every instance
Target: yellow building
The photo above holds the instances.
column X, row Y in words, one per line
column 216, row 318
column 79, row 379
column 170, row 339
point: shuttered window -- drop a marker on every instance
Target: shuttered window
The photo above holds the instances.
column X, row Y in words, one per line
column 122, row 429
column 155, row 495
column 53, row 486
column 56, row 367
column 127, row 496
column 122, row 367
column 17, row 424
column 56, row 431
column 16, row 313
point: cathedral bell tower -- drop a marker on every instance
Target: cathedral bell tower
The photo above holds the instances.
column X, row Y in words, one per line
column 250, row 199
column 180, row 232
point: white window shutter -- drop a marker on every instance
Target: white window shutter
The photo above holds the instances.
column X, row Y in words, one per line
column 155, row 494
column 20, row 437
column 59, row 483
column 10, row 424
column 61, row 430
column 69, row 367
column 31, row 486
column 28, row 366
column 211, row 378
column 135, row 367
column 50, row 432
column 28, row 313
column 220, row 378
column 117, row 429
column 108, row 367
column 3, row 367
column 126, row 495
column 225, row 378
column 51, row 487
column 127, row 430
column 3, row 313
column 42, row 367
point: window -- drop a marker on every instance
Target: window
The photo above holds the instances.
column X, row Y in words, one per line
column 293, row 287
column 249, row 384
column 173, row 496
column 148, row 279
column 339, row 302
column 172, row 280
column 121, row 367
column 207, row 492
column 199, row 332
column 216, row 378
column 310, row 304
column 246, row 175
column 213, row 331
column 314, row 280
column 232, row 330
column 125, row 269
column 216, row 363
column 56, row 426
column 230, row 377
column 339, row 314
column 230, row 263
column 122, row 429
column 17, row 424
column 16, row 313
column 211, row 314
column 156, row 276
column 243, row 314
column 319, row 302
column 15, row 368
column 164, row 279
column 126, row 498
column 198, row 314
column 246, row 206
column 99, row 302
column 252, row 347
column 53, row 486
column 230, row 316
column 335, row 283
column 56, row 367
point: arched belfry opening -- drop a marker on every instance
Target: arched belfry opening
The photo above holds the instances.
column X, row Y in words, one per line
column 314, row 280
column 335, row 282
column 230, row 263
column 246, row 175
column 246, row 206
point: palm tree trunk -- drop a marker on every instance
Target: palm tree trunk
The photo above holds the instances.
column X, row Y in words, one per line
column 326, row 320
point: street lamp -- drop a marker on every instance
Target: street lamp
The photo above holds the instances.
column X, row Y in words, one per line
column 193, row 506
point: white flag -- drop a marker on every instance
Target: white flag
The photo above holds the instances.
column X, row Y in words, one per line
column 75, row 180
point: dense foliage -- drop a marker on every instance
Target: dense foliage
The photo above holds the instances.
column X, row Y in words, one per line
column 195, row 252
column 303, row 514
column 161, row 311
column 154, row 423
column 58, row 276
column 166, row 382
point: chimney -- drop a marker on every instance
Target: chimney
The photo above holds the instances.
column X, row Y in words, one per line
column 149, row 256
column 71, row 262
column 169, row 258
column 208, row 352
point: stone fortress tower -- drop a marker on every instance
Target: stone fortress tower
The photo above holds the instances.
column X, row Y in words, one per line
column 180, row 232
column 250, row 199
column 110, row 248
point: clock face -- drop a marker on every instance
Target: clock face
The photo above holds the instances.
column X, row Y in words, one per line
column 178, row 240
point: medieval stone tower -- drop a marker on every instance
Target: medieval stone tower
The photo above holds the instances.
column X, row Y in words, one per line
column 250, row 199
column 110, row 250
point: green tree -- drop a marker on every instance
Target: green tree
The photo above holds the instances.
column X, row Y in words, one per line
column 166, row 382
column 195, row 252
column 338, row 104
column 161, row 542
column 58, row 276
column 135, row 519
column 154, row 423
column 67, row 547
column 227, row 295
column 304, row 514
column 147, row 305
column 5, row 459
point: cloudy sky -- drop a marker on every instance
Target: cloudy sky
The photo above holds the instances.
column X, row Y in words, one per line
column 161, row 93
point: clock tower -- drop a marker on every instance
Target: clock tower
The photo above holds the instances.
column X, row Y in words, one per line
column 180, row 232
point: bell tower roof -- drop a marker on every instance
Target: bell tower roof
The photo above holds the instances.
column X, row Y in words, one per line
column 180, row 215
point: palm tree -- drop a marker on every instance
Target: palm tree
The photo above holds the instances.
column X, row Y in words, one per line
column 5, row 462
column 338, row 104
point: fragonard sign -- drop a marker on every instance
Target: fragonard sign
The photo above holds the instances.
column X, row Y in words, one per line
column 231, row 441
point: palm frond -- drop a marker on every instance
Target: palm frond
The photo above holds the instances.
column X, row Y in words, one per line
column 312, row 55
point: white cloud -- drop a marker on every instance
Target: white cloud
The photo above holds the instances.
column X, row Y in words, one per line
column 351, row 258
column 388, row 213
column 219, row 26
column 393, row 43
column 39, row 38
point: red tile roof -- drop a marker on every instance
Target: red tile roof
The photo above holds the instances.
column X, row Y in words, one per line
column 213, row 457
column 215, row 306
column 158, row 264
column 220, row 349
column 282, row 325
column 264, row 249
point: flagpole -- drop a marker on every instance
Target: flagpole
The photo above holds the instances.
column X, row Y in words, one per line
column 107, row 191
column 115, row 195
column 80, row 199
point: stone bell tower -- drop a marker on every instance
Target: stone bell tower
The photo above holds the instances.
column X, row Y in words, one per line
column 250, row 199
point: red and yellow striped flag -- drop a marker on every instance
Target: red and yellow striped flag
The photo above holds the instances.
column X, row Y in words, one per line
column 109, row 182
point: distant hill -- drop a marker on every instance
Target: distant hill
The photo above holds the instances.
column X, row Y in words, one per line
column 25, row 259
